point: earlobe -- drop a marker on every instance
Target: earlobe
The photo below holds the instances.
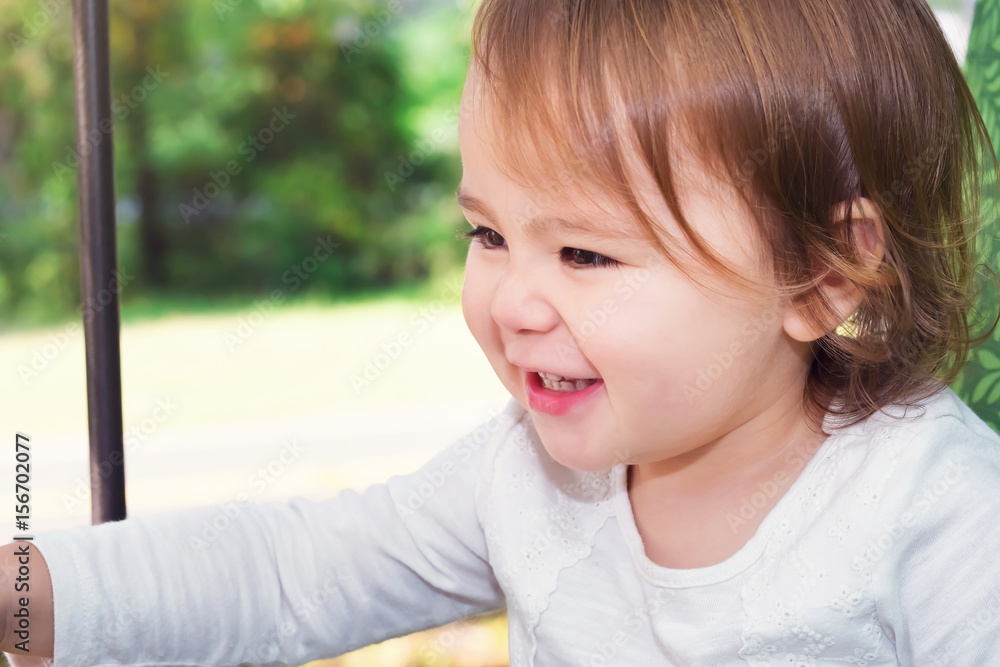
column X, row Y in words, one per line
column 843, row 294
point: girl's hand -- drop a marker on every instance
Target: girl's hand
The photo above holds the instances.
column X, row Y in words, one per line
column 40, row 635
column 28, row 661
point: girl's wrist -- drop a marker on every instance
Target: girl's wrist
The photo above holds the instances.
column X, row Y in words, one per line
column 26, row 613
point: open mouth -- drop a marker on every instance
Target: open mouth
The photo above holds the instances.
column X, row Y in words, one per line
column 559, row 383
column 558, row 395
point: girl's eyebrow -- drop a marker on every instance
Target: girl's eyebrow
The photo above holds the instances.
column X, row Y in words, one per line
column 541, row 225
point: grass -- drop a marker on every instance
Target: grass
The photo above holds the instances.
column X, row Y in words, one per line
column 242, row 363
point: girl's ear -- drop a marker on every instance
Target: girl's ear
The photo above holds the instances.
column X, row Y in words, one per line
column 843, row 295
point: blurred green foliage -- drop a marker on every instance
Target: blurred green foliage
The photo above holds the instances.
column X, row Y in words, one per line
column 979, row 383
column 244, row 132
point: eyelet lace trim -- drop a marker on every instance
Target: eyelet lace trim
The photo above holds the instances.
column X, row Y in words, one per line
column 540, row 517
column 782, row 628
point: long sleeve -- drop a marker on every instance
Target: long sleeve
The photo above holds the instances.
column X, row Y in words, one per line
column 281, row 582
column 937, row 576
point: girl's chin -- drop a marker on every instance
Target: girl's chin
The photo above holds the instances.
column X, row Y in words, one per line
column 569, row 453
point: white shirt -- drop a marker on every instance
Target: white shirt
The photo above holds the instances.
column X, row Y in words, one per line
column 884, row 551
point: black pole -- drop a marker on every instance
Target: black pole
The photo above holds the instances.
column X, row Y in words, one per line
column 99, row 283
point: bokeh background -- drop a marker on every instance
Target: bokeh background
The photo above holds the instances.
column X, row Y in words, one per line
column 284, row 172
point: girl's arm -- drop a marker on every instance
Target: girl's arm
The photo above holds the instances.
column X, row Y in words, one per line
column 25, row 602
column 280, row 582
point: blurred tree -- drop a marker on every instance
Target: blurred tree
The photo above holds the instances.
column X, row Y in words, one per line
column 139, row 22
column 246, row 132
column 38, row 268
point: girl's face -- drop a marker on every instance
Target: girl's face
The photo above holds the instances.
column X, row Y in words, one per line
column 678, row 367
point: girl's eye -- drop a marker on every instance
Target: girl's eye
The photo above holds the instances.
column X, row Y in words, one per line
column 489, row 239
column 485, row 236
column 585, row 257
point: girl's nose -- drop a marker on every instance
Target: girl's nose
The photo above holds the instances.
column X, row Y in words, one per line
column 522, row 302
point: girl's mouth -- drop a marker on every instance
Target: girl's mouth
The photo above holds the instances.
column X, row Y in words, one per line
column 559, row 383
column 557, row 396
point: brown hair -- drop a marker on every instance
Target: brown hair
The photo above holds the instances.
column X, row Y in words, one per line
column 801, row 106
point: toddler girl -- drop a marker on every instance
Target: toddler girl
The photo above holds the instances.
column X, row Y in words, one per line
column 722, row 257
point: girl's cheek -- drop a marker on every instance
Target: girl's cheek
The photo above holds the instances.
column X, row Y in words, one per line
column 476, row 304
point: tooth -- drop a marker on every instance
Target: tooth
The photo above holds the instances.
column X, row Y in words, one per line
column 558, row 384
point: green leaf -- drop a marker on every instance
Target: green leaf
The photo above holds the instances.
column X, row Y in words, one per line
column 994, row 395
column 984, row 385
column 988, row 360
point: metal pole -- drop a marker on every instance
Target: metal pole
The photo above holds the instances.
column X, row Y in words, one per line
column 99, row 282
